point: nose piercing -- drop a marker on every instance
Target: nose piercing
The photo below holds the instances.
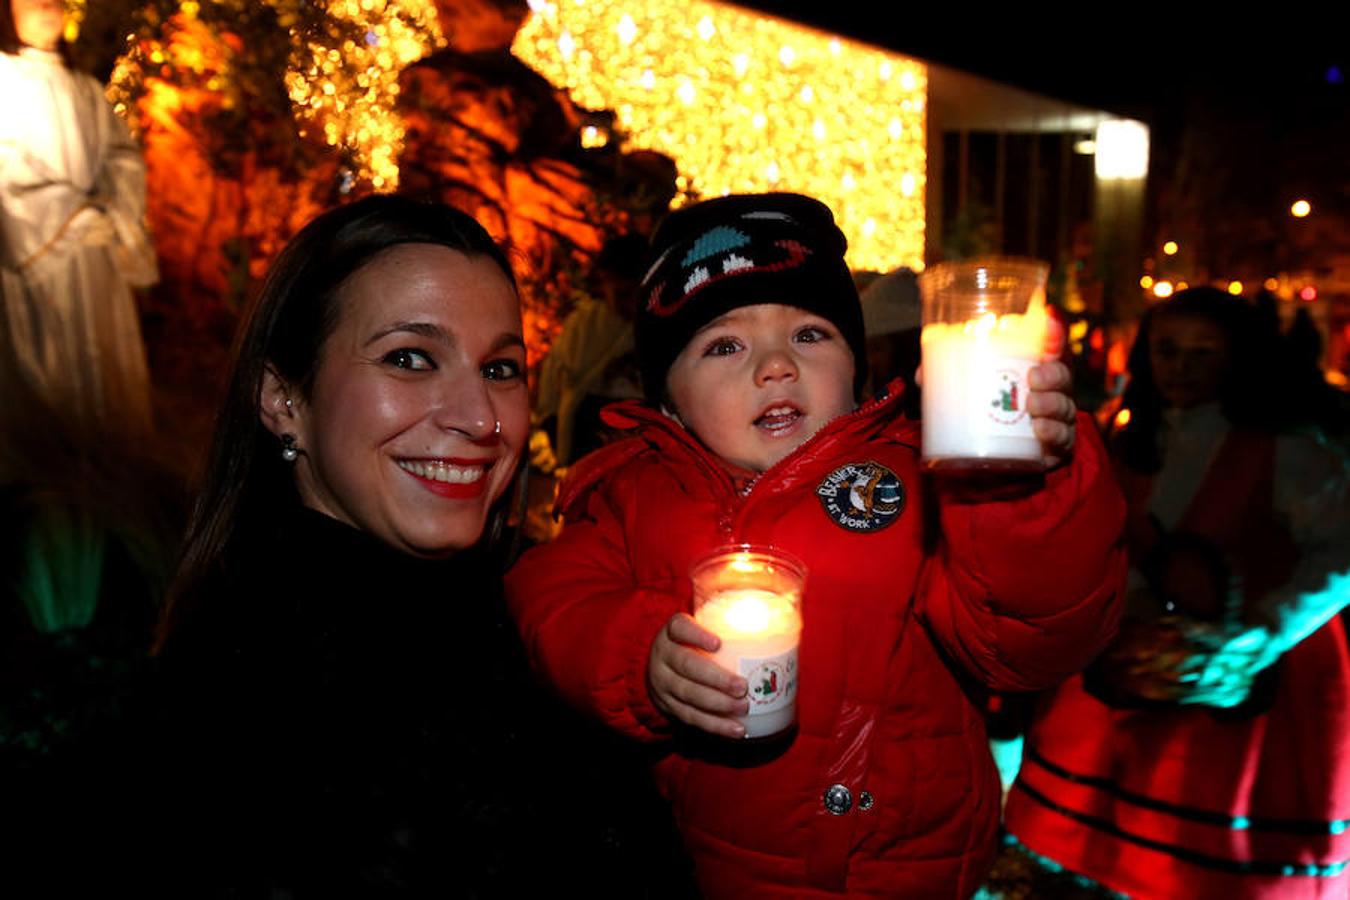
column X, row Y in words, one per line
column 498, row 429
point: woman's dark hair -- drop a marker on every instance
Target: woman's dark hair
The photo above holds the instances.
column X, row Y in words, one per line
column 246, row 481
column 1246, row 396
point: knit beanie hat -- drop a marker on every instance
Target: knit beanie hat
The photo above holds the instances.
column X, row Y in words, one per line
column 742, row 250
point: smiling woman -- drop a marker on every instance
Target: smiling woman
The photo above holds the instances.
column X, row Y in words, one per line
column 386, row 339
column 418, row 410
column 345, row 706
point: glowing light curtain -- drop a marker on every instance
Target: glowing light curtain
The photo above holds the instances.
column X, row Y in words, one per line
column 349, row 91
column 745, row 102
column 342, row 77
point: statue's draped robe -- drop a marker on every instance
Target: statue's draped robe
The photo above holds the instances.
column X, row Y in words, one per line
column 73, row 244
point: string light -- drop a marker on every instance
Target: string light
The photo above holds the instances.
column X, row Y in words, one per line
column 76, row 10
column 350, row 92
column 342, row 88
column 592, row 137
column 744, row 102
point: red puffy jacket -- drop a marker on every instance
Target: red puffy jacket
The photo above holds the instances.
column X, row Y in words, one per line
column 899, row 631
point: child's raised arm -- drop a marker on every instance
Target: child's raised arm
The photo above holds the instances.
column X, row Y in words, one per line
column 1025, row 591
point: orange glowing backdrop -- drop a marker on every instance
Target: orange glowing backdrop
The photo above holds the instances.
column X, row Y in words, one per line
column 742, row 101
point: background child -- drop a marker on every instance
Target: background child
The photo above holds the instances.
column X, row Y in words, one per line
column 750, row 339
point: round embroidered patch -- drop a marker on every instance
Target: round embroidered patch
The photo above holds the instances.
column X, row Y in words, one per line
column 862, row 496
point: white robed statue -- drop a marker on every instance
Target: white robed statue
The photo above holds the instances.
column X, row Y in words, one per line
column 73, row 241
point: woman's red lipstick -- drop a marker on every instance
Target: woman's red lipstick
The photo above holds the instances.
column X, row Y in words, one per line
column 458, row 490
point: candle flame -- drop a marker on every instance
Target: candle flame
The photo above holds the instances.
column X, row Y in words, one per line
column 749, row 612
column 741, row 562
column 983, row 326
column 1013, row 334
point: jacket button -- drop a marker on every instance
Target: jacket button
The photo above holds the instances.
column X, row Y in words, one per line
column 865, row 801
column 838, row 800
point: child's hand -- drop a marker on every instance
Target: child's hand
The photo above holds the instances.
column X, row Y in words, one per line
column 1051, row 399
column 687, row 685
column 1052, row 409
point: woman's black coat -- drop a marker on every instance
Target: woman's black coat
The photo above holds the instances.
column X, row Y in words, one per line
column 335, row 718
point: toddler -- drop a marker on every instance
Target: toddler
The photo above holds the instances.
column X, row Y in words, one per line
column 750, row 340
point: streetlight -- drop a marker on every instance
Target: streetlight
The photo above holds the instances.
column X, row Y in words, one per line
column 1300, row 209
column 1121, row 149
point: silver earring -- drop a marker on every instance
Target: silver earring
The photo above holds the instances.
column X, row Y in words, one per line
column 289, row 451
column 290, row 404
column 498, row 429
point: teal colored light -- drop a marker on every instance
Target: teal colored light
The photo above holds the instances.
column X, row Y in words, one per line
column 1007, row 758
column 1241, row 823
column 62, row 569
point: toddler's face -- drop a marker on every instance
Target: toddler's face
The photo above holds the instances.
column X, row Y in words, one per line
column 757, row 382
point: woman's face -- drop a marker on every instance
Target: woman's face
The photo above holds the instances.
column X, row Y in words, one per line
column 39, row 23
column 419, row 409
column 1190, row 358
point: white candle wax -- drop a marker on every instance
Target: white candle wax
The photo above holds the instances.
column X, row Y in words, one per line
column 975, row 387
column 760, row 631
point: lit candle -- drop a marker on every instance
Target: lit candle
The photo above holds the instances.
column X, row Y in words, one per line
column 750, row 597
column 985, row 327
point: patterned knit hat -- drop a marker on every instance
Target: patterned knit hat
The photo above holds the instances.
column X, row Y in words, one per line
column 742, row 250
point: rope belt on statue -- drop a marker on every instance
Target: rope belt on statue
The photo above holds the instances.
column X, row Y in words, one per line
column 55, row 238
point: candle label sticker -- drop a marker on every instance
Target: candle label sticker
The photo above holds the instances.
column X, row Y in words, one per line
column 1005, row 398
column 862, row 496
column 772, row 680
